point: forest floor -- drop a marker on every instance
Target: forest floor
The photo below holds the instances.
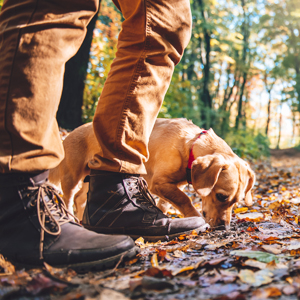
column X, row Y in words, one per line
column 259, row 258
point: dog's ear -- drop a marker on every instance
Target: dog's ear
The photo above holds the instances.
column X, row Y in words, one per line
column 205, row 173
column 251, row 181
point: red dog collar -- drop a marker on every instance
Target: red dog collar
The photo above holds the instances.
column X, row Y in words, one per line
column 191, row 159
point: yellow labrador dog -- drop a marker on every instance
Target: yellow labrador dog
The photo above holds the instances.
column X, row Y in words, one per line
column 179, row 152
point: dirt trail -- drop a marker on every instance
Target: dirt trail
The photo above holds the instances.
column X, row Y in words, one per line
column 259, row 258
column 289, row 157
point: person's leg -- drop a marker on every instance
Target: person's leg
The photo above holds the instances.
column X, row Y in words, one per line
column 36, row 40
column 152, row 40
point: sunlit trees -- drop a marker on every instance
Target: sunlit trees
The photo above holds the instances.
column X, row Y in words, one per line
column 103, row 48
column 237, row 48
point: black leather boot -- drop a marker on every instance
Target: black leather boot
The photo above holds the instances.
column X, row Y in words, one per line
column 121, row 204
column 35, row 227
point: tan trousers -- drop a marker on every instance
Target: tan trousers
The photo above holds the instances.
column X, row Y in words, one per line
column 37, row 37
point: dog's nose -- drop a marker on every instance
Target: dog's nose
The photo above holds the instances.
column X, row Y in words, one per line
column 204, row 214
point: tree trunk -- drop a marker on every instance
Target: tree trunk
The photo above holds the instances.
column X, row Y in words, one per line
column 240, row 102
column 245, row 31
column 205, row 96
column 69, row 111
column 269, row 113
column 279, row 129
column 294, row 126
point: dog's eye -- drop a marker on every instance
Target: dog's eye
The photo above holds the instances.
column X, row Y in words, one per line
column 222, row 197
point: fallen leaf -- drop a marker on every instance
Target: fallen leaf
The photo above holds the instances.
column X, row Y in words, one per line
column 240, row 210
column 7, row 267
column 256, row 279
column 266, row 293
column 214, row 262
column 194, row 233
column 175, row 270
column 256, row 264
column 250, row 216
column 259, row 255
column 227, row 277
column 231, row 296
column 179, row 254
column 289, row 280
column 270, row 238
column 134, row 283
column 293, row 245
column 154, row 261
column 160, row 285
column 221, row 289
column 275, row 249
column 121, row 283
column 41, row 283
column 131, row 262
column 156, row 272
column 182, row 237
column 112, row 295
column 140, row 242
column 251, row 229
column 289, row 290
column 172, row 243
column 161, row 253
column 274, row 205
column 272, row 265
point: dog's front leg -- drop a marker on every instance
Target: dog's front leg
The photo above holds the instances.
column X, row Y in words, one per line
column 163, row 205
column 80, row 200
column 172, row 194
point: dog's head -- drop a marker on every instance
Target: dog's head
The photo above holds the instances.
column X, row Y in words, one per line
column 221, row 181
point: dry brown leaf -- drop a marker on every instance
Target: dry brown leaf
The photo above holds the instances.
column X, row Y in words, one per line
column 289, row 290
column 266, row 293
column 275, row 249
column 7, row 267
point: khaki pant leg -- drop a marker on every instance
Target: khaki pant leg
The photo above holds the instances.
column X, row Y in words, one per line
column 36, row 40
column 152, row 40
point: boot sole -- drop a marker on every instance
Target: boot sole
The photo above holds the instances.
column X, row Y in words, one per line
column 96, row 265
column 202, row 228
column 148, row 238
column 106, row 263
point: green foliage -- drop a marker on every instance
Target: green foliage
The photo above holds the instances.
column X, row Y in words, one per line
column 248, row 145
column 180, row 101
column 235, row 48
column 103, row 49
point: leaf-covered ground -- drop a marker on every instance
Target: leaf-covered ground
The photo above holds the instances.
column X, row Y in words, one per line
column 259, row 258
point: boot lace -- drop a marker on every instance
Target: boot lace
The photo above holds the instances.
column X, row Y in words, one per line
column 144, row 192
column 51, row 210
column 141, row 191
